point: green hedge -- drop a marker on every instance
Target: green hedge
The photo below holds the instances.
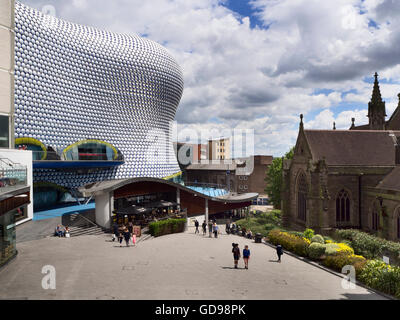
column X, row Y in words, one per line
column 369, row 246
column 381, row 276
column 337, row 262
column 289, row 242
column 318, row 238
column 316, row 250
column 169, row 226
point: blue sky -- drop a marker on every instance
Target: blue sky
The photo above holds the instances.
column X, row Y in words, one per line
column 259, row 64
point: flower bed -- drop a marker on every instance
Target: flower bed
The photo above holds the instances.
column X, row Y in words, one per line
column 373, row 273
column 381, row 276
column 370, row 246
column 293, row 243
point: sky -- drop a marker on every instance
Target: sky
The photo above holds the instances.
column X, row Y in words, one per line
column 259, row 64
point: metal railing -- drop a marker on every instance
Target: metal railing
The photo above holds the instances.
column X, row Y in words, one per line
column 12, row 175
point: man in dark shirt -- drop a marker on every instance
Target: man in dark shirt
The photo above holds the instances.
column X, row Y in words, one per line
column 196, row 224
column 279, row 252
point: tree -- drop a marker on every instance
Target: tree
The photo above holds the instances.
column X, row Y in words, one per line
column 274, row 179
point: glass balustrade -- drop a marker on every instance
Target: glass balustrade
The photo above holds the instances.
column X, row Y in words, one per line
column 12, row 175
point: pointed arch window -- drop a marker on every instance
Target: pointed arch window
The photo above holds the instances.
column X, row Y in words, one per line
column 343, row 207
column 302, row 198
column 398, row 223
column 375, row 218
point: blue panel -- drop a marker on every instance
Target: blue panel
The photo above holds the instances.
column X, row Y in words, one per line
column 48, row 214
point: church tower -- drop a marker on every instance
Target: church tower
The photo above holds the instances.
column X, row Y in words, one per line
column 376, row 108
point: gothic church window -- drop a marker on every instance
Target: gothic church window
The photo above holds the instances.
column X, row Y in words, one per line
column 343, row 207
column 302, row 197
column 375, row 218
column 398, row 223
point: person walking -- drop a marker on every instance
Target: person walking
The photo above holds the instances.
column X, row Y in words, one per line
column 120, row 235
column 204, row 226
column 210, row 228
column 215, row 229
column 279, row 252
column 127, row 236
column 246, row 256
column 228, row 227
column 115, row 231
column 196, row 224
column 236, row 254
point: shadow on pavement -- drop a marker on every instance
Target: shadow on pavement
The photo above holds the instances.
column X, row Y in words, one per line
column 357, row 296
column 232, row 268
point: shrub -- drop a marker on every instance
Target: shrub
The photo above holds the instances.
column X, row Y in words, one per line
column 318, row 238
column 308, row 233
column 289, row 242
column 381, row 276
column 370, row 246
column 263, row 223
column 331, row 249
column 296, row 233
column 316, row 250
column 168, row 226
column 337, row 262
column 338, row 248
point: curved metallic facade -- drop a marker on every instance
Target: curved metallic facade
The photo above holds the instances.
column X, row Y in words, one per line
column 74, row 83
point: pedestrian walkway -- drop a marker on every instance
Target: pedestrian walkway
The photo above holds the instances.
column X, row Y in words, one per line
column 177, row 266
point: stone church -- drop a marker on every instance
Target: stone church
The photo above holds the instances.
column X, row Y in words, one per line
column 346, row 178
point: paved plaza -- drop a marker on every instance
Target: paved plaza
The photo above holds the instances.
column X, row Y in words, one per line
column 179, row 266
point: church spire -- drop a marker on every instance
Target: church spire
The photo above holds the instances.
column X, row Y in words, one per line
column 376, row 108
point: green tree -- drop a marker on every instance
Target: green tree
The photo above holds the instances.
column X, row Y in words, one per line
column 274, row 179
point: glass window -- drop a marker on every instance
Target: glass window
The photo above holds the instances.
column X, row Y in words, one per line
column 375, row 218
column 4, row 132
column 91, row 150
column 21, row 214
column 302, row 198
column 343, row 207
column 398, row 224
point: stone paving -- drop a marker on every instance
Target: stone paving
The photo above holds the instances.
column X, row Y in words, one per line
column 180, row 266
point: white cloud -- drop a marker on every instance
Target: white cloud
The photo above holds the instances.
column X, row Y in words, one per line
column 263, row 78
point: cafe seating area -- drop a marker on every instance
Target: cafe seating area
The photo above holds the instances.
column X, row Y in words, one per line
column 143, row 215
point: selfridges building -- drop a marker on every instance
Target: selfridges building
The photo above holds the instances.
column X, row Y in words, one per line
column 92, row 105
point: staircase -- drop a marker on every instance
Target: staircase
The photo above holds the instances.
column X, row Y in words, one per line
column 82, row 226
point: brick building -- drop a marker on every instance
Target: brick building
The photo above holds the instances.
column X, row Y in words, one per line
column 346, row 178
column 241, row 176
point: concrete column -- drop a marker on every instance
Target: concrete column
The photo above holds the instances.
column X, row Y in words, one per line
column 7, row 64
column 103, row 210
column 206, row 210
column 178, row 198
